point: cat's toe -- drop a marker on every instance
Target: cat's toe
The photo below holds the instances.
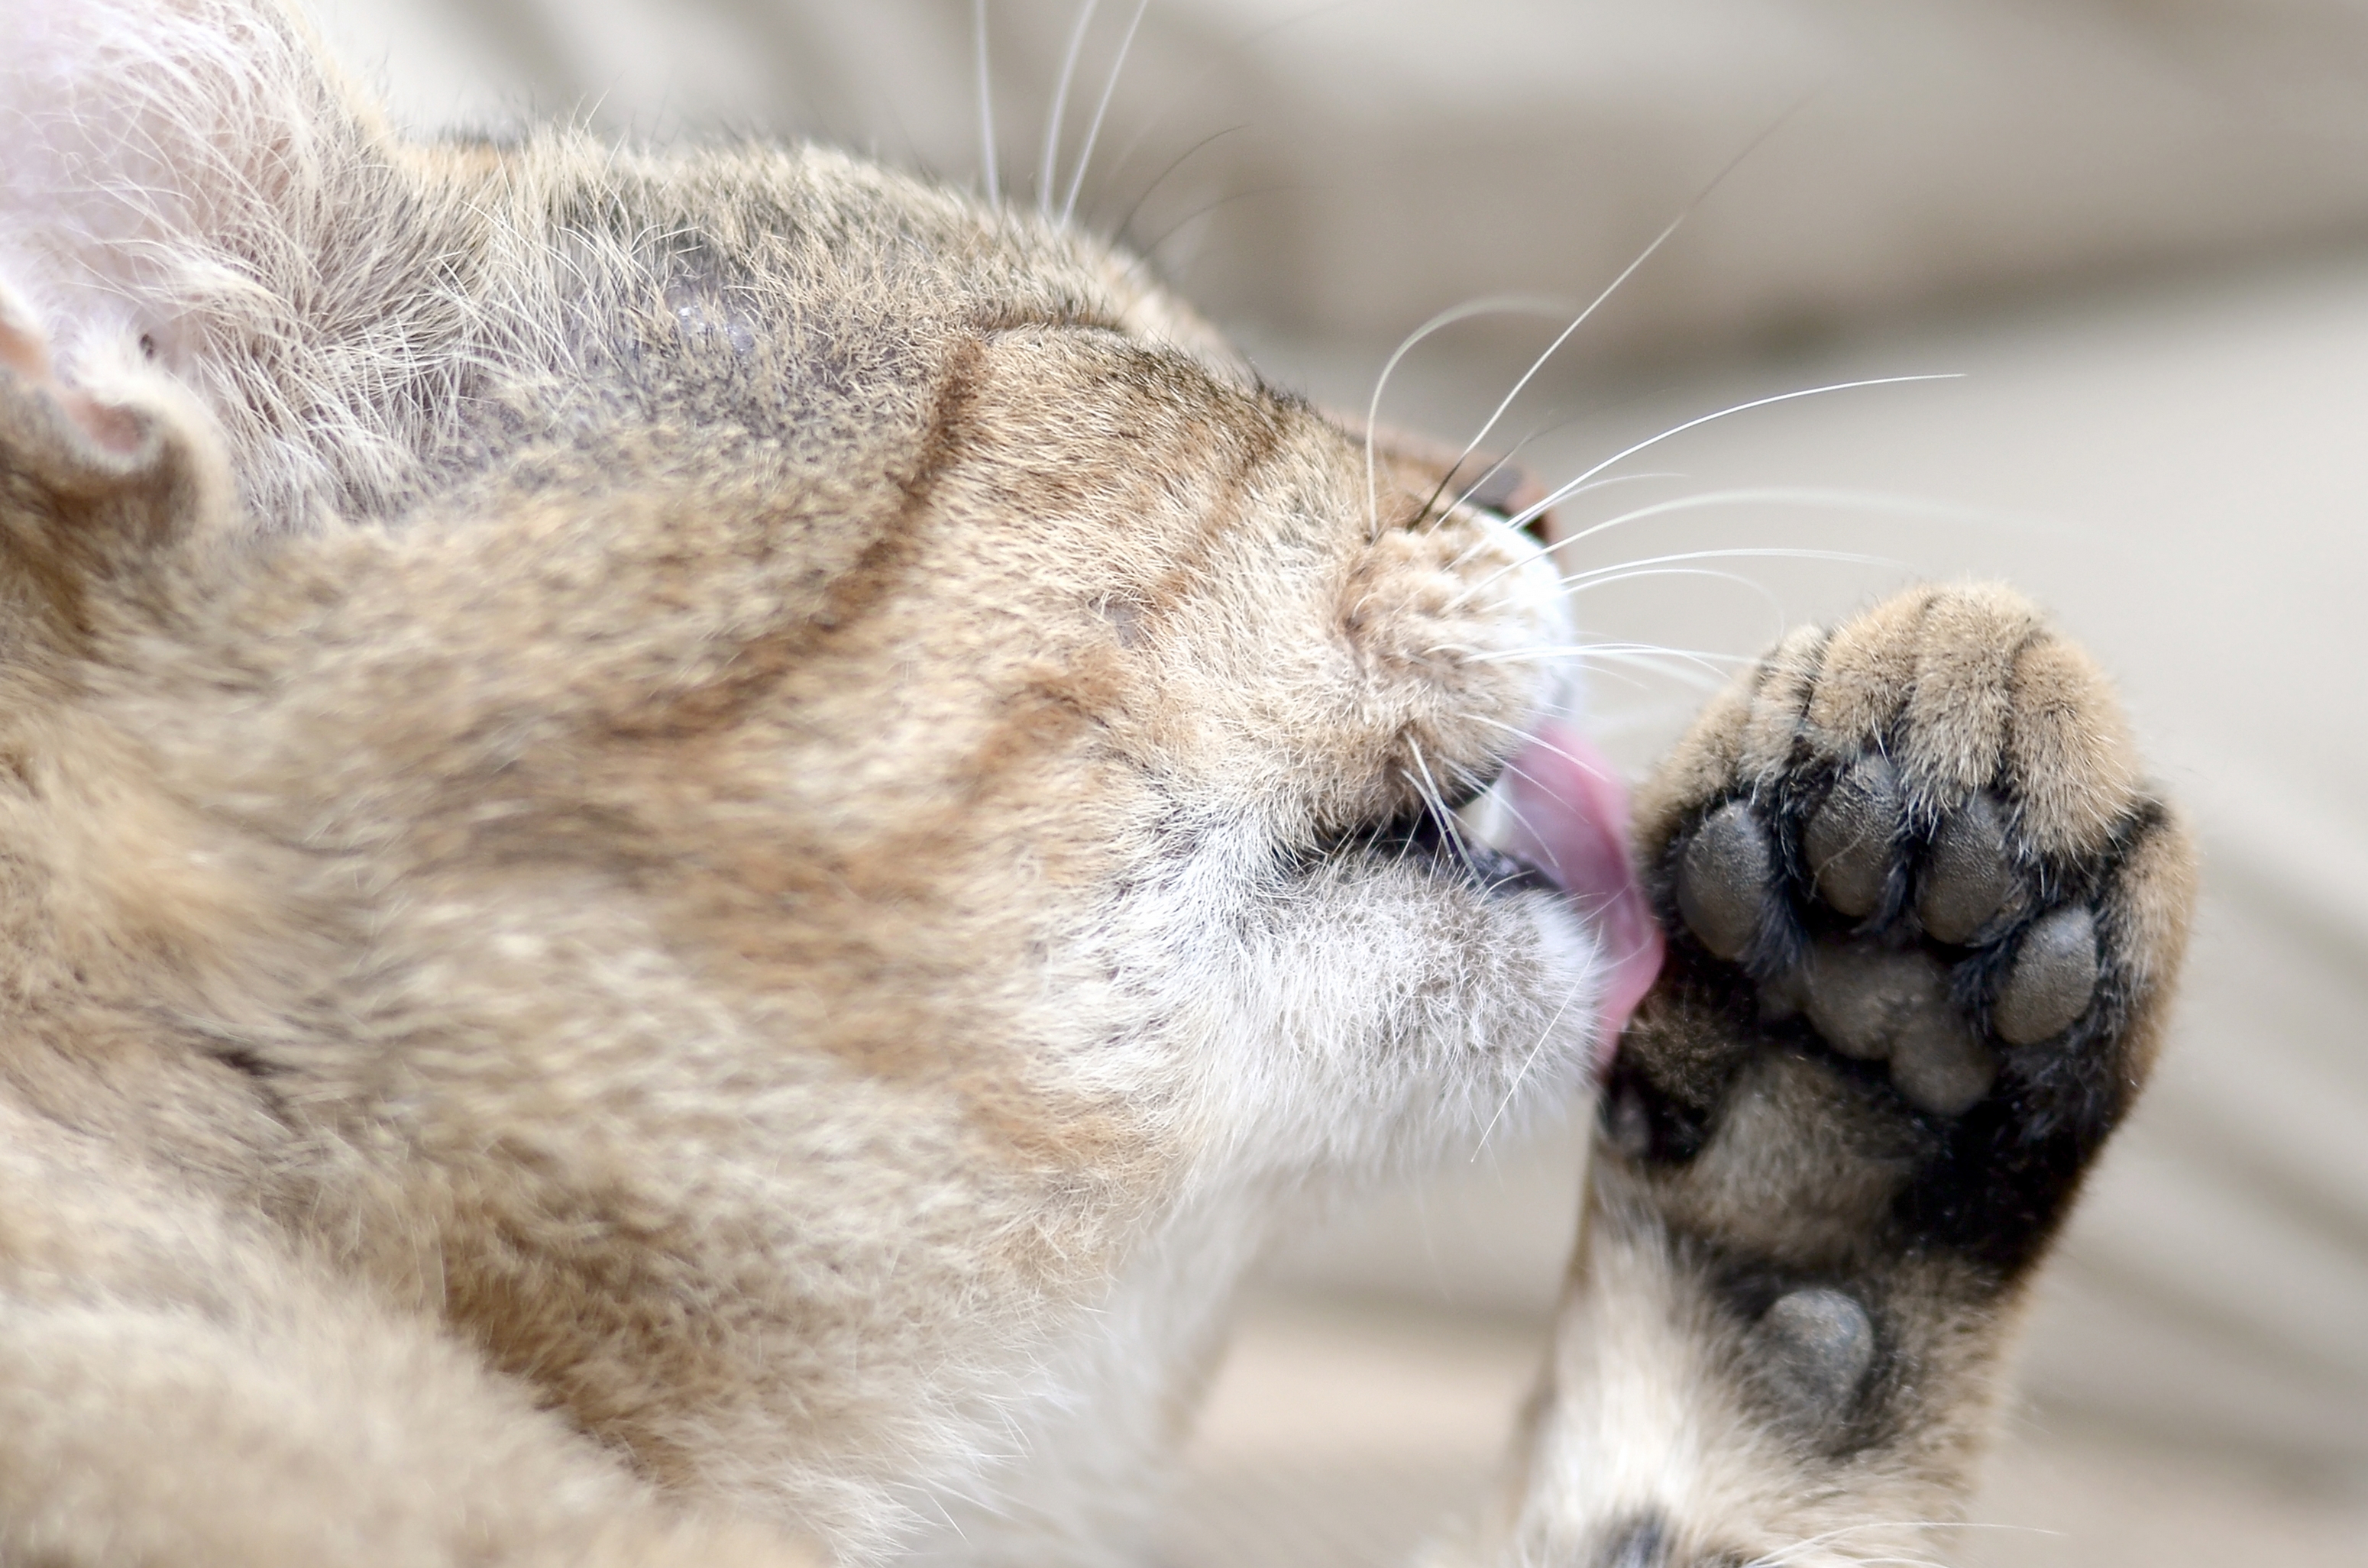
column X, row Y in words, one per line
column 1969, row 876
column 1725, row 879
column 1850, row 843
column 2053, row 977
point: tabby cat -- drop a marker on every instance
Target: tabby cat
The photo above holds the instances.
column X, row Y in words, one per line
column 693, row 845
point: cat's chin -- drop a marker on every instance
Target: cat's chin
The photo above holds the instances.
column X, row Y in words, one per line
column 1569, row 819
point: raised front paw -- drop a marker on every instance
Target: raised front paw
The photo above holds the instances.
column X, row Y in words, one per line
column 1923, row 916
column 1916, row 851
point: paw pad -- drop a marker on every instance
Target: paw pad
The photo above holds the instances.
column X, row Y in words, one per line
column 2054, row 975
column 1728, row 868
column 1877, row 981
column 1967, row 878
column 1850, row 841
column 1876, row 1004
column 1814, row 1348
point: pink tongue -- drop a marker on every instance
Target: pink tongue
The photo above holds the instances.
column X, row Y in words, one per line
column 1571, row 820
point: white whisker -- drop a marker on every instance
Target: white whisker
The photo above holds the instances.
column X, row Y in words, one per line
column 1611, row 288
column 1482, row 544
column 986, row 105
column 1728, row 412
column 1094, row 131
column 1848, row 557
column 1494, row 304
column 1872, row 500
column 1177, row 162
column 1593, row 769
column 1613, row 652
column 1435, row 802
column 1522, row 1072
column 1190, row 91
column 1577, row 322
column 1049, row 174
column 1143, row 256
column 1791, row 1551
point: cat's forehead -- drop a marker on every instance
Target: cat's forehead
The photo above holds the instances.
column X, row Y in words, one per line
column 740, row 239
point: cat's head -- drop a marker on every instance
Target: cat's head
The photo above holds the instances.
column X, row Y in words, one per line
column 933, row 609
column 872, row 666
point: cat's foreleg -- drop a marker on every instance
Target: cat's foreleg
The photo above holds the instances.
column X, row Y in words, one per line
column 1924, row 916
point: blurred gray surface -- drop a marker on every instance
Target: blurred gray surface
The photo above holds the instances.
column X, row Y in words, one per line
column 2138, row 228
column 1342, row 169
column 2175, row 470
column 1344, row 1436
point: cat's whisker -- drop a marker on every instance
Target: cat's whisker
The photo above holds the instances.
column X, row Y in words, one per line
column 1577, row 580
column 1434, row 800
column 1493, row 304
column 1791, row 1551
column 1706, row 666
column 1538, row 364
column 1870, row 501
column 1594, row 769
column 1094, row 131
column 1629, row 670
column 1581, row 650
column 1595, row 656
column 1613, row 287
column 1177, row 162
column 1520, row 1074
column 1190, row 89
column 1478, row 545
column 1555, row 498
column 986, row 156
column 1838, row 500
column 1431, row 513
column 1049, row 172
column 1145, row 257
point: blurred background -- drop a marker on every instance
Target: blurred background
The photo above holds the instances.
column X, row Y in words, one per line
column 2134, row 233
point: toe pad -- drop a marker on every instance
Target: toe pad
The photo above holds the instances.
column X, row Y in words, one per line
column 1725, row 875
column 2054, row 975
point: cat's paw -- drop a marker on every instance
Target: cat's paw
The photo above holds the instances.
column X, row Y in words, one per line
column 1923, row 916
column 1913, row 863
column 91, row 482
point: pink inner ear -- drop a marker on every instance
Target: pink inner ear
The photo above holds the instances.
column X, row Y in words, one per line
column 1570, row 819
column 23, row 355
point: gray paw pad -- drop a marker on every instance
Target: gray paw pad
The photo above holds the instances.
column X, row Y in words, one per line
column 1724, row 879
column 1877, row 1005
column 1878, row 983
column 1968, row 880
column 1814, row 1347
column 1848, row 843
column 1863, row 998
column 2054, row 975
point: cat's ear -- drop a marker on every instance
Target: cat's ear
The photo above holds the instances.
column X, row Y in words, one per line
column 164, row 166
column 189, row 187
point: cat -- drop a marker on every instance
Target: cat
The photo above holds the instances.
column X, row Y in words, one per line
column 697, row 844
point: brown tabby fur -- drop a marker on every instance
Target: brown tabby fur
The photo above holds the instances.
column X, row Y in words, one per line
column 688, row 859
